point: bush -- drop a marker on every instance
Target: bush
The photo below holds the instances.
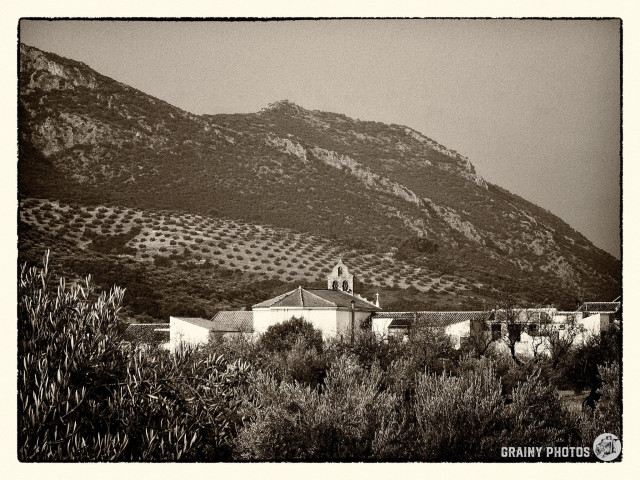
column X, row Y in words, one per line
column 606, row 416
column 300, row 364
column 449, row 408
column 350, row 418
column 581, row 369
column 83, row 397
column 283, row 336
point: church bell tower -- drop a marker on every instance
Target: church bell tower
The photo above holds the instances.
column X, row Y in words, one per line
column 340, row 278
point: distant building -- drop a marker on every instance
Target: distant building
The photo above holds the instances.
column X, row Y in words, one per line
column 191, row 331
column 336, row 312
column 199, row 331
column 534, row 330
column 531, row 329
column 145, row 335
column 457, row 325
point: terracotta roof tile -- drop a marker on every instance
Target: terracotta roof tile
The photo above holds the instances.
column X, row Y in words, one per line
column 317, row 298
column 150, row 333
column 609, row 307
column 271, row 301
column 439, row 319
column 233, row 321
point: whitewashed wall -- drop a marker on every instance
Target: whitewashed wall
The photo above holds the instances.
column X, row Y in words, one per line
column 324, row 320
column 380, row 327
column 457, row 331
column 593, row 325
column 344, row 322
column 331, row 322
column 186, row 333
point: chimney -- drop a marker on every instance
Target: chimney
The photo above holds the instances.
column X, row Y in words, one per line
column 377, row 300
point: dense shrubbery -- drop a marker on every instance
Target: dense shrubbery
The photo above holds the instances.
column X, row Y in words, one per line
column 350, row 417
column 283, row 336
column 426, row 402
column 83, row 396
column 415, row 246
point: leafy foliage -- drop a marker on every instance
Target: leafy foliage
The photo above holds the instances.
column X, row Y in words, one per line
column 349, row 419
column 81, row 396
column 283, row 336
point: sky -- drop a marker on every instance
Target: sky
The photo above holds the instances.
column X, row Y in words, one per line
column 534, row 104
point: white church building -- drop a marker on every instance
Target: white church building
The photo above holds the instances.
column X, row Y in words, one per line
column 336, row 311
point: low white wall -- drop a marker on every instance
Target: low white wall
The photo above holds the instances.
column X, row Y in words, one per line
column 182, row 332
column 324, row 320
column 380, row 327
column 331, row 322
column 458, row 331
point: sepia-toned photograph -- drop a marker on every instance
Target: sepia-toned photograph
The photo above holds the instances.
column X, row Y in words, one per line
column 319, row 240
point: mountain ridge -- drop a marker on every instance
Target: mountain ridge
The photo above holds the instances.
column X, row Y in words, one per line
column 382, row 188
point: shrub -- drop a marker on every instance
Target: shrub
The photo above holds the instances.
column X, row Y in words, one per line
column 300, row 364
column 83, row 397
column 162, row 261
column 448, row 408
column 283, row 336
column 349, row 418
column 606, row 416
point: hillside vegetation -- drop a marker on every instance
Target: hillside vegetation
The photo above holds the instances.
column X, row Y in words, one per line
column 129, row 174
column 197, row 265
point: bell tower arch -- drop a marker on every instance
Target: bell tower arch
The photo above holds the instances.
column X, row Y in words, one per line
column 340, row 278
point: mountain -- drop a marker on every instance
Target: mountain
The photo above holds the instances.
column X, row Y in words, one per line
column 415, row 209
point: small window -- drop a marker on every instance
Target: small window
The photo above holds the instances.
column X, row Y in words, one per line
column 345, row 286
column 334, row 285
column 339, row 271
column 533, row 329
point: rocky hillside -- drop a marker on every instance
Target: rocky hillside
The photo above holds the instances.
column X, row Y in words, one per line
column 386, row 191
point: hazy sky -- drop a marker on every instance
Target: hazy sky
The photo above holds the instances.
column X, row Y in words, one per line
column 535, row 105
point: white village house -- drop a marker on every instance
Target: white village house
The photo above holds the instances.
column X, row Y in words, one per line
column 197, row 331
column 457, row 325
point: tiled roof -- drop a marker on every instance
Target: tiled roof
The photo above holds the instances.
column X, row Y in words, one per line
column 233, row 321
column 151, row 333
column 408, row 315
column 444, row 319
column 599, row 307
column 439, row 319
column 200, row 322
column 316, row 298
column 271, row 301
